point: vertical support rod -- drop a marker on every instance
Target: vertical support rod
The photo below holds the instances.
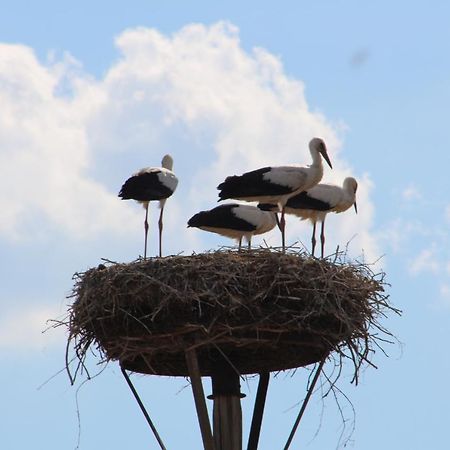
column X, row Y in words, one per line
column 227, row 422
column 199, row 399
column 305, row 402
column 258, row 411
column 141, row 405
column 227, row 412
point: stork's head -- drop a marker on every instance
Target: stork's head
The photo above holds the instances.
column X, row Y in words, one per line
column 351, row 185
column 167, row 162
column 317, row 144
column 269, row 207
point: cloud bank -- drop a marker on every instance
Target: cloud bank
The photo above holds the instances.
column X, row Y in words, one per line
column 68, row 141
column 25, row 330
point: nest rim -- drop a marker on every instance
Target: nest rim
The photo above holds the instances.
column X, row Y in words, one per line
column 354, row 339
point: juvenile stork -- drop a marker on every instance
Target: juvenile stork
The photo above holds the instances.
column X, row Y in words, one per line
column 277, row 184
column 315, row 203
column 148, row 184
column 235, row 221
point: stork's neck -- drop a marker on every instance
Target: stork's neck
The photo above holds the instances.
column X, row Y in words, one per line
column 349, row 188
column 349, row 195
column 316, row 158
column 315, row 176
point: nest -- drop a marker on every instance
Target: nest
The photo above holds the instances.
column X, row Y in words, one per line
column 262, row 310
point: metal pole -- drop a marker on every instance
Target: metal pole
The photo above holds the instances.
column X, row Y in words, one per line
column 227, row 413
column 305, row 402
column 144, row 411
column 258, row 411
column 199, row 399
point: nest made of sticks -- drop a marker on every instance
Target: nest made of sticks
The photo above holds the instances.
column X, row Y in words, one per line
column 262, row 310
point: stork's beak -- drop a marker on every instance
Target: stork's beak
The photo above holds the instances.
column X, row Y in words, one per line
column 356, row 208
column 278, row 222
column 324, row 153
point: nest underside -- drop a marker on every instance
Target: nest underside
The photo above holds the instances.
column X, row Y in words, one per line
column 261, row 310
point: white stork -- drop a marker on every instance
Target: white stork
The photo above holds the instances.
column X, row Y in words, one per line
column 235, row 221
column 151, row 183
column 277, row 184
column 315, row 203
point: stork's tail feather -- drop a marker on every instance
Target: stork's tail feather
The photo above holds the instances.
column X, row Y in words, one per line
column 229, row 187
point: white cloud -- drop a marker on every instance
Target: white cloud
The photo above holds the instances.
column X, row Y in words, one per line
column 23, row 329
column 404, row 233
column 411, row 193
column 44, row 154
column 69, row 141
column 426, row 261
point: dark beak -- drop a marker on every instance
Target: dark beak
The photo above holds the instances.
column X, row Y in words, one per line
column 356, row 208
column 278, row 221
column 325, row 157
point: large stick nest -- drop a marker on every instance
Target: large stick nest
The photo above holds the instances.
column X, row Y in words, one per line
column 262, row 310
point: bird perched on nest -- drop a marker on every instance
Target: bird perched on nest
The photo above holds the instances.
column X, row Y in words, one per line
column 277, row 184
column 148, row 184
column 315, row 203
column 235, row 221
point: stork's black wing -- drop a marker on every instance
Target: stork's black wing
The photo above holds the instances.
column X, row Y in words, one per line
column 221, row 217
column 250, row 184
column 145, row 187
column 305, row 201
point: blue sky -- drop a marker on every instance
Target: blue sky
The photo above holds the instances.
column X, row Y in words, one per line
column 90, row 93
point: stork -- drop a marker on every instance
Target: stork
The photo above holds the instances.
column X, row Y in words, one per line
column 277, row 184
column 315, row 203
column 235, row 221
column 148, row 184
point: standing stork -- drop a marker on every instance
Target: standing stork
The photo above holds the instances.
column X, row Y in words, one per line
column 235, row 221
column 277, row 184
column 315, row 203
column 148, row 184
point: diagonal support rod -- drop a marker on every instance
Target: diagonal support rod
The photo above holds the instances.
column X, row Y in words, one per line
column 305, row 403
column 199, row 399
column 144, row 411
column 258, row 411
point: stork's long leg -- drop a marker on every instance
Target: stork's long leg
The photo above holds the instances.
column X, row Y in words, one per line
column 145, row 230
column 160, row 225
column 240, row 244
column 313, row 239
column 249, row 243
column 282, row 228
column 322, row 237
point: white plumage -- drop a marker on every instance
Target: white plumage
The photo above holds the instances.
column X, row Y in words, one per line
column 315, row 203
column 277, row 184
column 235, row 221
column 148, row 184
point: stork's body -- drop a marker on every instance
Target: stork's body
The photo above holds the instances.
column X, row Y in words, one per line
column 277, row 184
column 235, row 221
column 149, row 184
column 315, row 203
